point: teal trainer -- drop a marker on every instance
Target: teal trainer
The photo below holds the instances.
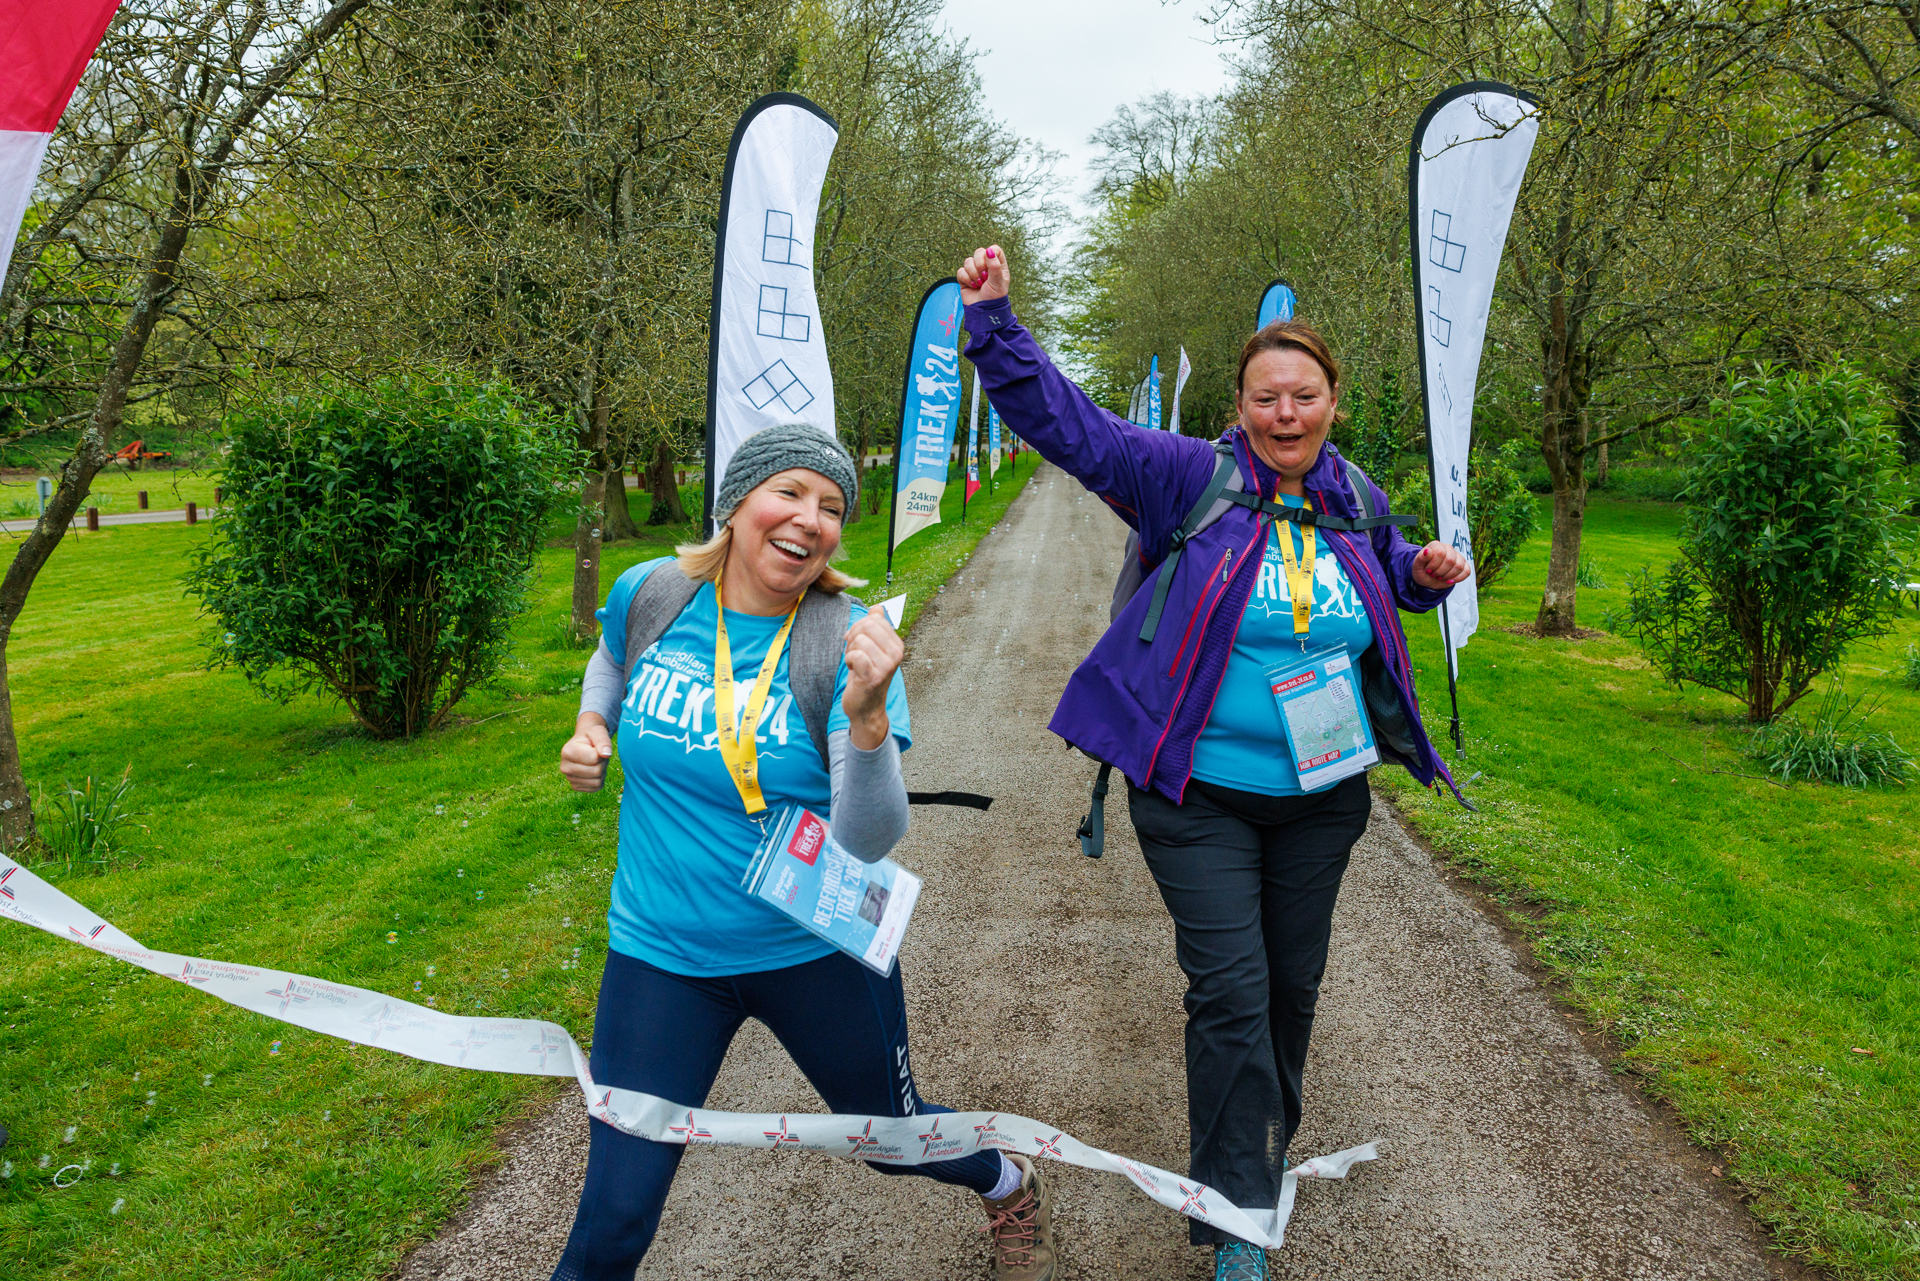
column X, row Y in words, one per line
column 1239, row 1261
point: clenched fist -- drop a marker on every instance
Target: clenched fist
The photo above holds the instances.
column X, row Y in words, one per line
column 1438, row 566
column 584, row 758
column 874, row 651
column 984, row 275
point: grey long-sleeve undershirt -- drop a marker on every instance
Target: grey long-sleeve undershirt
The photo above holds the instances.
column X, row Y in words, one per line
column 868, row 806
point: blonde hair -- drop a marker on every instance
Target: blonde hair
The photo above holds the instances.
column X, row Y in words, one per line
column 704, row 562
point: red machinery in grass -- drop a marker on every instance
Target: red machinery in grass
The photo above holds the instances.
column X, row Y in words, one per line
column 136, row 453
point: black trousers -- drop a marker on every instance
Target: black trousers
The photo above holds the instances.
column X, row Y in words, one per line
column 1251, row 881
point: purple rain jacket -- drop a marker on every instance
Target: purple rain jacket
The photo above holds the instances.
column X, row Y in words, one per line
column 1141, row 705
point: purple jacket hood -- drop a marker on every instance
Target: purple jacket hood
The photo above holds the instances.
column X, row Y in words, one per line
column 1141, row 705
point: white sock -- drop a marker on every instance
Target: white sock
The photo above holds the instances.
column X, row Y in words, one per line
column 1010, row 1177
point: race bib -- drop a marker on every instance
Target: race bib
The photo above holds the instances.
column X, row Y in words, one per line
column 1325, row 721
column 860, row 908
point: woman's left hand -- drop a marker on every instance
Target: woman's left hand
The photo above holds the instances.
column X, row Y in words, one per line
column 874, row 651
column 1439, row 566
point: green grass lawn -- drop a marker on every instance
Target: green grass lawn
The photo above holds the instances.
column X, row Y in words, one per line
column 1755, row 948
column 116, row 490
column 219, row 1144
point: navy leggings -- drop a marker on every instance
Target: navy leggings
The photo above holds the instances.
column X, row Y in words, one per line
column 665, row 1034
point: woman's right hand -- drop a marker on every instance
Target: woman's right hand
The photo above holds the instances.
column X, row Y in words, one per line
column 584, row 758
column 984, row 275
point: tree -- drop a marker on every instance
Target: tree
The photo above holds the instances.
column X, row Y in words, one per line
column 905, row 200
column 536, row 183
column 1793, row 548
column 1861, row 56
column 379, row 541
column 183, row 118
column 1653, row 244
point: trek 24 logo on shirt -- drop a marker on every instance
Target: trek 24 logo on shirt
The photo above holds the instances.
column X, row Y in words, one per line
column 671, row 697
column 1333, row 593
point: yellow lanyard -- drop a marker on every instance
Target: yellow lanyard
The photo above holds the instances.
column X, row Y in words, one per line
column 1299, row 572
column 737, row 745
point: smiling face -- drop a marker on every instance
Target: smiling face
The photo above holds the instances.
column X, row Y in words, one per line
column 1286, row 406
column 784, row 531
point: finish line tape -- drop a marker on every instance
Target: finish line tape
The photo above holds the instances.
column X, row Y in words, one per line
column 532, row 1047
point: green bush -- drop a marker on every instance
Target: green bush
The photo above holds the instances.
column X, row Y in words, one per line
column 378, row 541
column 1793, row 543
column 1502, row 513
column 1911, row 677
column 1835, row 747
column 1371, row 434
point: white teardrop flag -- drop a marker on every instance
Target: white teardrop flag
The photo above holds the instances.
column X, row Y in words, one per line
column 767, row 355
column 1470, row 151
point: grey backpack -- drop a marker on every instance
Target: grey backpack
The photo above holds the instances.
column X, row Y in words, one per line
column 814, row 649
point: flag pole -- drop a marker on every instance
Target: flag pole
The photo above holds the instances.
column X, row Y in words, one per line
column 1426, row 405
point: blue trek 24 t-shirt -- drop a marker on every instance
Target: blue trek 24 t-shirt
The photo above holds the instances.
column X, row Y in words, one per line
column 685, row 836
column 1243, row 745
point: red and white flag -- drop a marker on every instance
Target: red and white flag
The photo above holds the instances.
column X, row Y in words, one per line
column 44, row 46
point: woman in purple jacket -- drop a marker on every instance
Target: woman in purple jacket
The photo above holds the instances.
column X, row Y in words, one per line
column 1177, row 696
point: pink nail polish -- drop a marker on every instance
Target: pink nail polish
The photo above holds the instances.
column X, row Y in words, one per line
column 989, row 253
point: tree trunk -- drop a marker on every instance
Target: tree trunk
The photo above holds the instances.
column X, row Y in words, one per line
column 1566, row 388
column 861, row 440
column 1563, row 564
column 667, row 507
column 1600, row 467
column 586, row 528
column 619, row 515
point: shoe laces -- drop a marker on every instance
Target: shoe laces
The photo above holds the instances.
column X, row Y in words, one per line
column 1014, row 1228
column 1239, row 1261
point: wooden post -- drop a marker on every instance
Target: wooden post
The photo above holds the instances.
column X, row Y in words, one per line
column 93, row 520
column 143, row 500
column 218, row 495
column 193, row 514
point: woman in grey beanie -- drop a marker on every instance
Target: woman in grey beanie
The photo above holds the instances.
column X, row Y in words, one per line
column 691, row 956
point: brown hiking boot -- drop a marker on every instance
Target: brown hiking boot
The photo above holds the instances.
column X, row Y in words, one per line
column 1022, row 1227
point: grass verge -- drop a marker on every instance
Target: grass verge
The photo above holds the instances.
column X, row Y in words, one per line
column 1754, row 948
column 214, row 1143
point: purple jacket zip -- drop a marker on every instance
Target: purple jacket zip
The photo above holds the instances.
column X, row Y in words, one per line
column 1139, row 705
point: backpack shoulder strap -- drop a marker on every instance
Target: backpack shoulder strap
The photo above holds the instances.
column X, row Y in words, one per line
column 1222, row 472
column 1358, row 486
column 1362, row 491
column 814, row 651
column 656, row 603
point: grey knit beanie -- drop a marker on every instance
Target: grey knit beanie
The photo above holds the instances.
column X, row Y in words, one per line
column 772, row 450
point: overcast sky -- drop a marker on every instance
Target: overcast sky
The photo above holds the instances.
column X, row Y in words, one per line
column 1054, row 70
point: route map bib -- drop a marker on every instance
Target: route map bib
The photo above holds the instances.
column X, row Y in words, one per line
column 1324, row 719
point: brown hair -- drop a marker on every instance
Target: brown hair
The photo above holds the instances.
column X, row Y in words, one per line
column 1291, row 335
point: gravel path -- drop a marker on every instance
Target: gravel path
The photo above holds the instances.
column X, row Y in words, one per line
column 1044, row 984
